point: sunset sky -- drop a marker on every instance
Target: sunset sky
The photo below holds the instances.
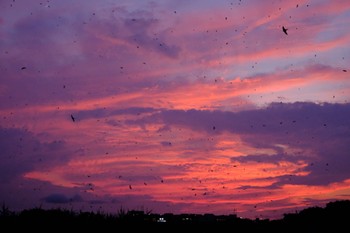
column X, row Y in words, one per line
column 179, row 106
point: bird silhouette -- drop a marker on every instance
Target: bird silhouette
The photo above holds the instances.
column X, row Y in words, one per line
column 284, row 30
column 73, row 119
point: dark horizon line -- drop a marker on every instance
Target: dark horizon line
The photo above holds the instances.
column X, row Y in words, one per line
column 121, row 212
column 334, row 217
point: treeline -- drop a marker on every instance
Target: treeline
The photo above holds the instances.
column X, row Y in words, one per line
column 334, row 217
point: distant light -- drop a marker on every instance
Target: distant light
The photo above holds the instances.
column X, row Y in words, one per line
column 161, row 220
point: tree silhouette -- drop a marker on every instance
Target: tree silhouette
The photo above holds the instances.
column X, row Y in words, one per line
column 334, row 217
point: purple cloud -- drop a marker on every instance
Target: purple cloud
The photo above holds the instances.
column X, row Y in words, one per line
column 166, row 143
column 140, row 28
column 319, row 132
column 104, row 112
column 22, row 152
column 58, row 198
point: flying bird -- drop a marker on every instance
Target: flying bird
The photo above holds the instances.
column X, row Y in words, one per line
column 73, row 119
column 284, row 30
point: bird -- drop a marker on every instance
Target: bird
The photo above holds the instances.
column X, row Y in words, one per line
column 73, row 119
column 284, row 30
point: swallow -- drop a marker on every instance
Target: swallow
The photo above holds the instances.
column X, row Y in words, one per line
column 284, row 30
column 73, row 119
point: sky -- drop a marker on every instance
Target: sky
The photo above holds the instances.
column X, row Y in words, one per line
column 175, row 106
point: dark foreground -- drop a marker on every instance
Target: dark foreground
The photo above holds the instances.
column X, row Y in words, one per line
column 335, row 217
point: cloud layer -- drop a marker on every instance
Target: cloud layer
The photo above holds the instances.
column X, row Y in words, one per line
column 189, row 107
